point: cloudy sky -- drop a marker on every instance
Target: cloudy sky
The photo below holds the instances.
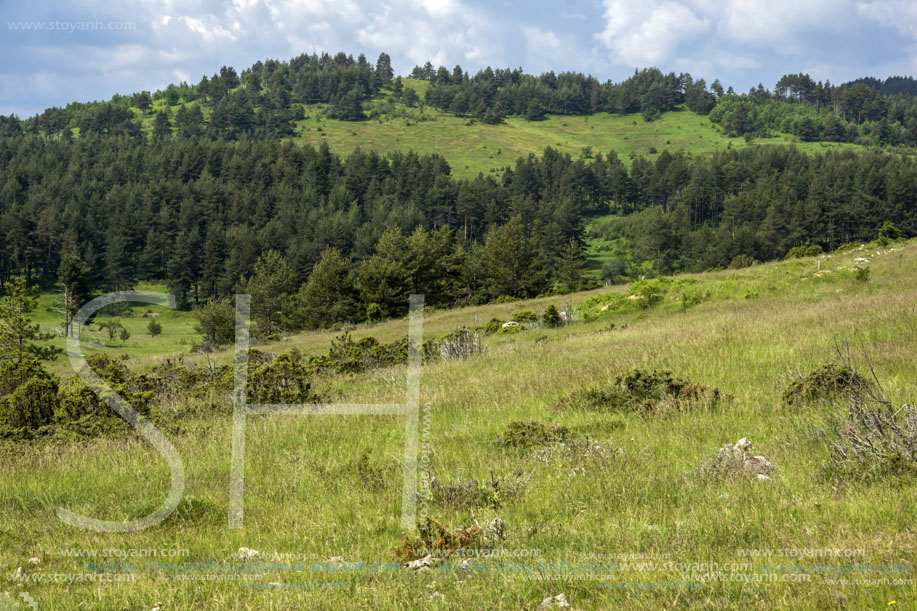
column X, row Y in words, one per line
column 67, row 50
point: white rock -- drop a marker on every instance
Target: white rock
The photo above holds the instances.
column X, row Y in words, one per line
column 742, row 444
column 246, row 552
column 424, row 564
column 763, row 478
column 559, row 601
column 35, row 561
column 19, row 574
column 509, row 325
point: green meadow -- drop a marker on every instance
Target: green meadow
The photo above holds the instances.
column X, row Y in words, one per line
column 625, row 513
column 472, row 147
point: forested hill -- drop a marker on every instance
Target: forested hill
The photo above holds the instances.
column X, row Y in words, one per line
column 205, row 185
column 272, row 98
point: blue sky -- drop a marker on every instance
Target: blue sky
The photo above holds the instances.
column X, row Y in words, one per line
column 78, row 50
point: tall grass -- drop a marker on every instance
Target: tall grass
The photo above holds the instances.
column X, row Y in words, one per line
column 307, row 491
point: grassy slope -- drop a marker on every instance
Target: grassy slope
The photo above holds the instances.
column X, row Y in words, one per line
column 304, row 494
column 472, row 147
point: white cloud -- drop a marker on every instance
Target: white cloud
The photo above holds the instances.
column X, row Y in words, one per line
column 647, row 32
column 899, row 14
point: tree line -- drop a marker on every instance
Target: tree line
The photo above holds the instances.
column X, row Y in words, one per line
column 101, row 213
column 267, row 98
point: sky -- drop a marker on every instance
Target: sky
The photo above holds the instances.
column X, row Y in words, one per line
column 58, row 51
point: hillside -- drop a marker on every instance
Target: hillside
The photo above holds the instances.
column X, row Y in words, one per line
column 619, row 487
column 471, row 146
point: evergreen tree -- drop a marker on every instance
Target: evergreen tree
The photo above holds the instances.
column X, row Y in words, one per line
column 73, row 275
column 510, row 262
column 270, row 286
column 570, row 270
column 17, row 332
column 329, row 296
column 162, row 127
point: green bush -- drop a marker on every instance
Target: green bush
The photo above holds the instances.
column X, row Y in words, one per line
column 28, row 395
column 31, row 405
column 829, row 381
column 797, row 252
column 741, row 260
column 889, row 231
column 643, row 392
column 283, row 380
column 347, row 355
column 526, row 435
column 525, row 317
column 493, row 326
column 551, row 317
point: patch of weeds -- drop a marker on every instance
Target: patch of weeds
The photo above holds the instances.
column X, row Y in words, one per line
column 644, row 392
column 371, row 475
column 460, row 344
column 525, row 435
column 439, row 540
column 874, row 442
column 470, row 493
column 192, row 509
column 829, row 381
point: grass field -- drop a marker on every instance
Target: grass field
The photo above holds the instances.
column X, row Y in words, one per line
column 328, row 488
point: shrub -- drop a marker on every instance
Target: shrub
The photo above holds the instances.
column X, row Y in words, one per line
column 861, row 273
column 31, row 405
column 347, row 355
column 28, row 395
column 829, row 381
column 798, row 252
column 460, row 344
column 846, row 246
column 154, row 328
column 741, row 260
column 470, row 493
column 889, row 231
column 874, row 441
column 643, row 392
column 525, row 317
column 526, row 435
column 434, row 538
column 493, row 326
column 551, row 317
column 284, row 380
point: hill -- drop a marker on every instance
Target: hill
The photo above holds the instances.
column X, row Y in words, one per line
column 626, row 496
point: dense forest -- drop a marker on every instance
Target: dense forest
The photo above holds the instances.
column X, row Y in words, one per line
column 201, row 213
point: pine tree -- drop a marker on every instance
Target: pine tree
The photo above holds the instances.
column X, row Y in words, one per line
column 570, row 271
column 269, row 286
column 17, row 332
column 73, row 275
column 329, row 296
